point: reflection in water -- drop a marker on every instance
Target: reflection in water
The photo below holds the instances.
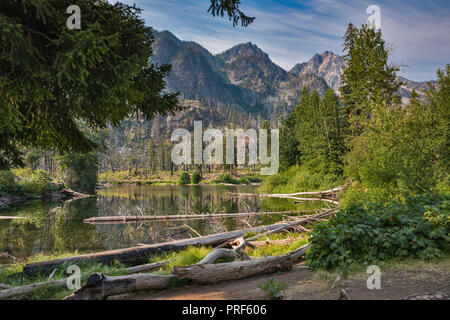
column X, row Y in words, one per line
column 53, row 227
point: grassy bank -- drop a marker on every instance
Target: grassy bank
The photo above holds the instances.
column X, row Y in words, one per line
column 244, row 177
column 11, row 275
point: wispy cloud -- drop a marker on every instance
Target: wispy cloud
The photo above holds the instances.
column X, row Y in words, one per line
column 291, row 31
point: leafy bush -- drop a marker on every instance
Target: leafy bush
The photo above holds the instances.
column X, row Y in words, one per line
column 7, row 178
column 297, row 179
column 185, row 178
column 252, row 178
column 226, row 178
column 196, row 177
column 244, row 180
column 40, row 182
column 272, row 288
column 380, row 232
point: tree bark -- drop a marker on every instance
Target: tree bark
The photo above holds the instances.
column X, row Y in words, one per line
column 121, row 219
column 139, row 255
column 294, row 224
column 11, row 292
column 99, row 286
column 213, row 273
column 15, row 291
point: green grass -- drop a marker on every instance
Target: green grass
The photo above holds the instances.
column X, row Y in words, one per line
column 275, row 250
column 11, row 276
column 188, row 256
column 299, row 179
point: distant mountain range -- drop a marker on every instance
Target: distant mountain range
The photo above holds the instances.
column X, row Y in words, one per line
column 245, row 78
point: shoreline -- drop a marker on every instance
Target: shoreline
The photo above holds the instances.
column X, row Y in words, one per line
column 64, row 194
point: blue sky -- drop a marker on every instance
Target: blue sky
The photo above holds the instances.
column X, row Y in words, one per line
column 291, row 31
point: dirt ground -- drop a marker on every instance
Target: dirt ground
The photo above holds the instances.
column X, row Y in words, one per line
column 419, row 280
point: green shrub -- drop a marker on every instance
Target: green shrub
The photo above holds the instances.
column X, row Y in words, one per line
column 272, row 289
column 39, row 182
column 253, row 178
column 7, row 178
column 244, row 180
column 185, row 178
column 226, row 178
column 196, row 177
column 380, row 232
column 297, row 179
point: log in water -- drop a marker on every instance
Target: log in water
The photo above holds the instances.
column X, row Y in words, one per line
column 116, row 219
column 139, row 255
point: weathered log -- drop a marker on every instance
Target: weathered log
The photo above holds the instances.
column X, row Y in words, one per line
column 15, row 291
column 121, row 219
column 213, row 273
column 4, row 286
column 323, row 195
column 146, row 267
column 139, row 255
column 99, row 286
column 216, row 254
column 303, row 221
column 263, row 243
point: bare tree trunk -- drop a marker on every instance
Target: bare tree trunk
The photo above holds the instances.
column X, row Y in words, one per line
column 213, row 273
column 139, row 255
column 99, row 286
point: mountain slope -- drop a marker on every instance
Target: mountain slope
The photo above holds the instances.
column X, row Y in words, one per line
column 327, row 65
column 244, row 77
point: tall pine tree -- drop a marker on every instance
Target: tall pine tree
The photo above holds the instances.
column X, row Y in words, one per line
column 368, row 78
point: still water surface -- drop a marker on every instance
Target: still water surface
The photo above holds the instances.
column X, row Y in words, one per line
column 57, row 227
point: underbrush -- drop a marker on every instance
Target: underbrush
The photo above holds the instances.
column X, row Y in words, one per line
column 414, row 228
column 26, row 183
column 298, row 179
column 12, row 276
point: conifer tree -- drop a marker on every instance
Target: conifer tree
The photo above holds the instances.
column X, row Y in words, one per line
column 368, row 78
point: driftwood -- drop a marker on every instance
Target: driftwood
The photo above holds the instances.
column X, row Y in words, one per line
column 304, row 221
column 281, row 242
column 216, row 254
column 4, row 286
column 139, row 255
column 213, row 273
column 146, row 267
column 99, row 286
column 121, row 219
column 326, row 196
column 14, row 291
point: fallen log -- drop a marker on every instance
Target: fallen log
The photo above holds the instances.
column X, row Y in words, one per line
column 295, row 224
column 216, row 254
column 9, row 292
column 99, row 286
column 213, row 273
column 139, row 255
column 15, row 291
column 323, row 195
column 263, row 243
column 146, row 267
column 106, row 219
column 4, row 286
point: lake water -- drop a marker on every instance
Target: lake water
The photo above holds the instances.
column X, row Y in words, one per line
column 57, row 227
